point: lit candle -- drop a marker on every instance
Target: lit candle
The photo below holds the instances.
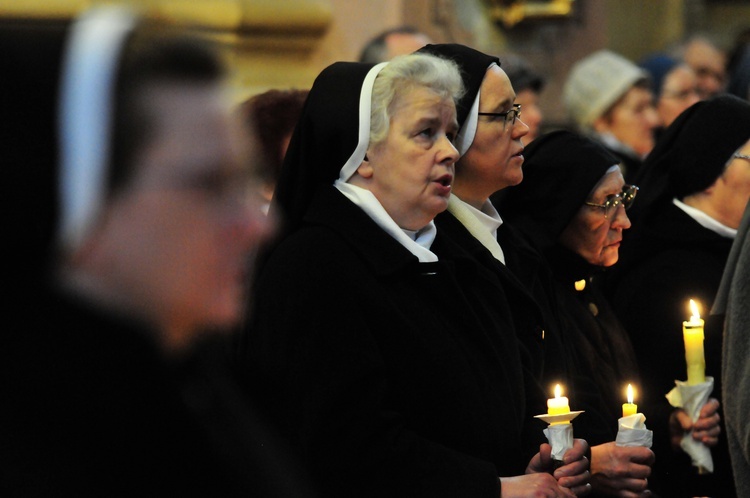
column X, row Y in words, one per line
column 692, row 331
column 629, row 408
column 559, row 404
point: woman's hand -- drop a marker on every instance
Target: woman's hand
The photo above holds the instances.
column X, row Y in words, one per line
column 621, row 471
column 533, row 486
column 573, row 474
column 706, row 429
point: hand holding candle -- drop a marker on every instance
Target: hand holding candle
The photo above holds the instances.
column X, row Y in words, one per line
column 692, row 331
column 693, row 394
column 560, row 430
column 629, row 408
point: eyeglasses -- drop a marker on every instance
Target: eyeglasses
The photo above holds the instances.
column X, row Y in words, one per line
column 509, row 116
column 626, row 198
column 741, row 156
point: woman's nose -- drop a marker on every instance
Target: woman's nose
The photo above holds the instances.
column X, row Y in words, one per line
column 448, row 151
column 620, row 219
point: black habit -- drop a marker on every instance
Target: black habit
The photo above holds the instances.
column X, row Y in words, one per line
column 669, row 258
column 389, row 376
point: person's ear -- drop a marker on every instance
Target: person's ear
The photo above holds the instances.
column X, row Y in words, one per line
column 365, row 168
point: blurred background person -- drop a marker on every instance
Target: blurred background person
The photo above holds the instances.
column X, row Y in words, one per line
column 138, row 218
column 733, row 303
column 571, row 205
column 709, row 63
column 695, row 191
column 738, row 66
column 610, row 99
column 273, row 115
column 385, row 46
column 528, row 85
column 675, row 87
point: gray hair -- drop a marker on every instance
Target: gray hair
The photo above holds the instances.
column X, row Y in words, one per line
column 403, row 73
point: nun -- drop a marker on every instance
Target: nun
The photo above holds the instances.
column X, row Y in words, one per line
column 131, row 233
column 491, row 141
column 372, row 345
column 696, row 188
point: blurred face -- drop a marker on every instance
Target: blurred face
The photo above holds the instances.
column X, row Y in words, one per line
column 632, row 120
column 177, row 239
column 732, row 189
column 411, row 171
column 405, row 43
column 494, row 160
column 532, row 113
column 709, row 66
column 680, row 91
column 592, row 236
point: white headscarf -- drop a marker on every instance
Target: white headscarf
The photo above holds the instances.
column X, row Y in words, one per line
column 85, row 115
column 418, row 243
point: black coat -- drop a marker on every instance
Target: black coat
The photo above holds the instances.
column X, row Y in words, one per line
column 525, row 282
column 665, row 262
column 601, row 358
column 589, row 354
column 391, row 377
column 91, row 407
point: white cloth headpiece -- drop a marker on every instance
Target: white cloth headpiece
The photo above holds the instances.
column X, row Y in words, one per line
column 365, row 105
column 85, row 115
column 468, row 131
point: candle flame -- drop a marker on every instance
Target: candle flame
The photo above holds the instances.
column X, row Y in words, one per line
column 630, row 394
column 694, row 309
column 558, row 391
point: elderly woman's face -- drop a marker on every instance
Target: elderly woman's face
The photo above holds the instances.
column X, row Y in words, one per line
column 412, row 170
column 592, row 236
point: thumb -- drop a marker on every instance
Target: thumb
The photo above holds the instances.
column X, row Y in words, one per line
column 686, row 423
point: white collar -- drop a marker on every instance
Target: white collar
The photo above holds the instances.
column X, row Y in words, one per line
column 418, row 243
column 482, row 224
column 705, row 220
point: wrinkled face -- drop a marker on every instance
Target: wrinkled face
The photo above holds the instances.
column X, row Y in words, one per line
column 411, row 171
column 494, row 160
column 732, row 189
column 592, row 236
column 680, row 91
column 179, row 235
column 532, row 113
column 632, row 120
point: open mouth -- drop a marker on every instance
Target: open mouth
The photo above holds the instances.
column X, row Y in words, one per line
column 445, row 180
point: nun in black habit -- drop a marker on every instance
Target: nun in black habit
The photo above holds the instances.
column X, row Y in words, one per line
column 560, row 206
column 695, row 192
column 95, row 401
column 378, row 356
column 491, row 143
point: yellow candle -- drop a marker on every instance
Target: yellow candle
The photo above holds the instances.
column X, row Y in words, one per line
column 629, row 408
column 559, row 404
column 692, row 331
